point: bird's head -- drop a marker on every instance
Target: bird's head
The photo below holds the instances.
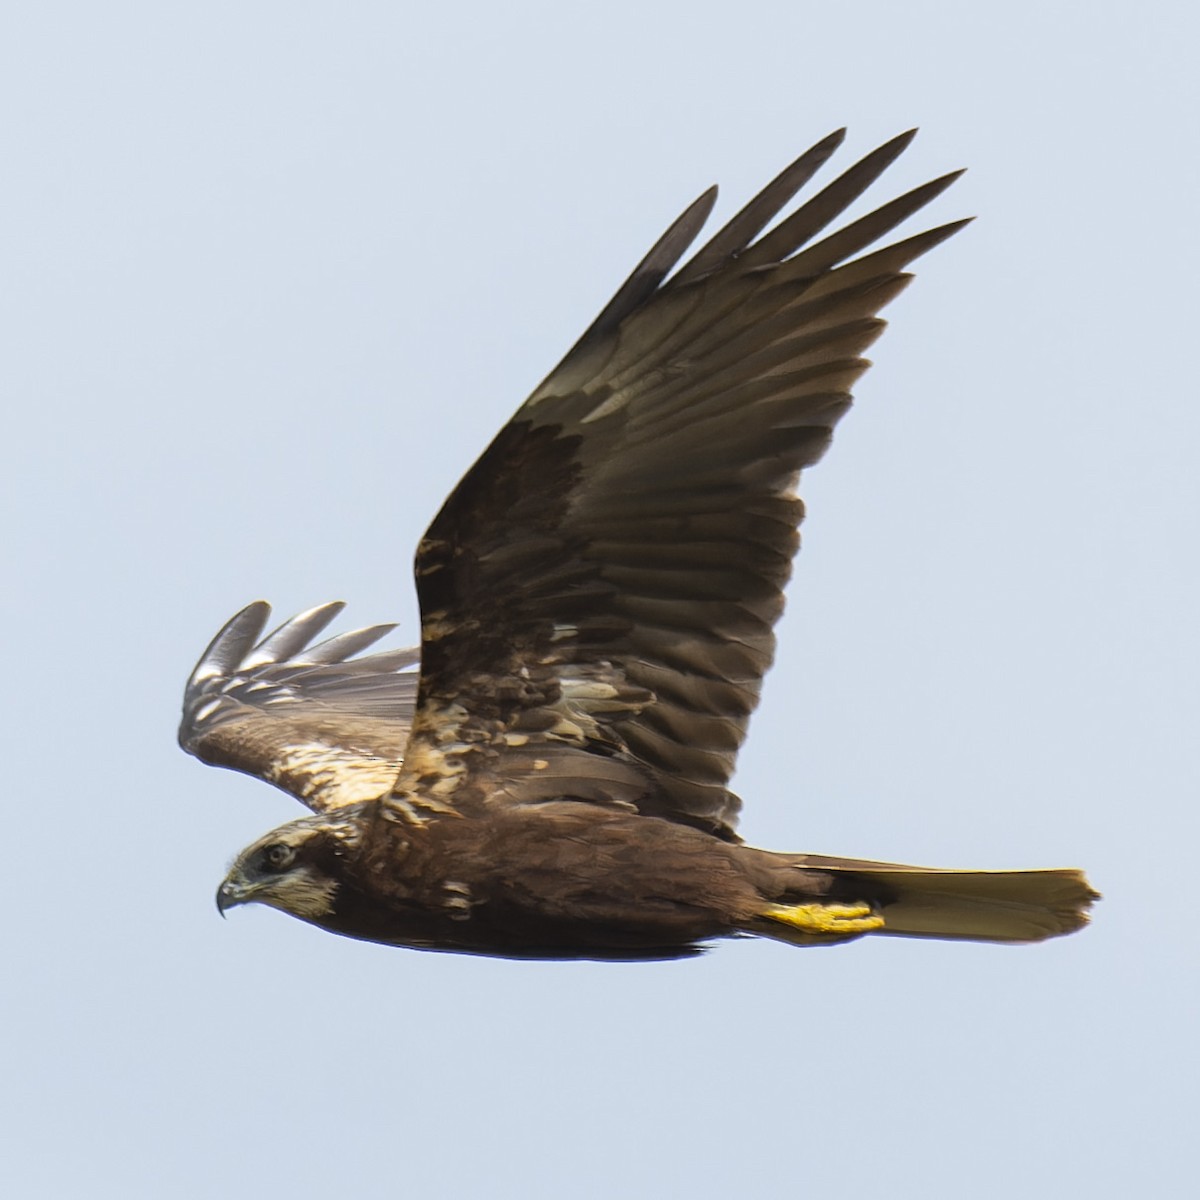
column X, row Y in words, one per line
column 295, row 868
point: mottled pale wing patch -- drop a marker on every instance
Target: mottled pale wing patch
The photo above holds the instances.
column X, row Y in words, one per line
column 312, row 719
column 598, row 594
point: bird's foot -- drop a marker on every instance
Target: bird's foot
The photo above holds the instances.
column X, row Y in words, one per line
column 821, row 921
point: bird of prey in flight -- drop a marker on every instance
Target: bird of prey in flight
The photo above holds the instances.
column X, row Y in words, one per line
column 548, row 776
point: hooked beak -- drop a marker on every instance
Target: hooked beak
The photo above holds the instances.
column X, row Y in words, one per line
column 232, row 893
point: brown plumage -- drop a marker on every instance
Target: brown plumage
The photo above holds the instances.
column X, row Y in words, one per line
column 598, row 598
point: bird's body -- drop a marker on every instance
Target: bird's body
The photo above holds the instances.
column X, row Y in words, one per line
column 598, row 598
column 567, row 880
column 559, row 881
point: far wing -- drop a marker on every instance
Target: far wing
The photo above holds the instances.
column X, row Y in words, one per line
column 311, row 719
column 598, row 594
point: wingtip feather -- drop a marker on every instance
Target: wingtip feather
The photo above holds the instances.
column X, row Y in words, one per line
column 230, row 643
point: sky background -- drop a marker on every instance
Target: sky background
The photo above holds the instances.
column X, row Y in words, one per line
column 274, row 273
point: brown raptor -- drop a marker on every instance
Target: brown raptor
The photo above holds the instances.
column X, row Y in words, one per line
column 598, row 597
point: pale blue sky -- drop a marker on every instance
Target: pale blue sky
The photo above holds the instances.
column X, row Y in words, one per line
column 273, row 274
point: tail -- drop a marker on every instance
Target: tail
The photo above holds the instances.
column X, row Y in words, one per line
column 982, row 906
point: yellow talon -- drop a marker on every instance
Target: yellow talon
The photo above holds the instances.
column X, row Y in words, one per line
column 840, row 920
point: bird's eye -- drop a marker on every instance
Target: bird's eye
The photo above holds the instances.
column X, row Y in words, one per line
column 278, row 856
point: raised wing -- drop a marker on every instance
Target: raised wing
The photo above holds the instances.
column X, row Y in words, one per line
column 311, row 719
column 598, row 593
